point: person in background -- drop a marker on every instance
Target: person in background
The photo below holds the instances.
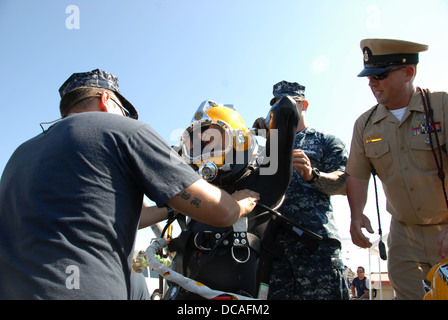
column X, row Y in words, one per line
column 360, row 285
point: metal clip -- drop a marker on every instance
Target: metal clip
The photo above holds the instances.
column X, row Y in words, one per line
column 195, row 240
column 238, row 260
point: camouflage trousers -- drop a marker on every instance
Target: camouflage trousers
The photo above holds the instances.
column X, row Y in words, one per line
column 308, row 270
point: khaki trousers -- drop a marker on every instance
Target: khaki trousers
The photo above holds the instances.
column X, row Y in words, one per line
column 412, row 253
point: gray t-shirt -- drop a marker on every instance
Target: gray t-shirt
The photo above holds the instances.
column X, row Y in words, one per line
column 70, row 201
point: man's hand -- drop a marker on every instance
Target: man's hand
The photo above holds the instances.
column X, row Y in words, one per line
column 356, row 226
column 302, row 164
column 247, row 200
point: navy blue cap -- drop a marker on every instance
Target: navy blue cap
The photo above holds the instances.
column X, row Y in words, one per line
column 285, row 88
column 98, row 79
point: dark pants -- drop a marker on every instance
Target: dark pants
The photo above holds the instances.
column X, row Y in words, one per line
column 309, row 270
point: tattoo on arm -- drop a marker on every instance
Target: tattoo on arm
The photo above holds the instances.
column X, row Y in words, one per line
column 195, row 201
column 332, row 183
column 185, row 195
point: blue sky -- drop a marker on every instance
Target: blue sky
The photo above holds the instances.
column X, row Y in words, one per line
column 170, row 55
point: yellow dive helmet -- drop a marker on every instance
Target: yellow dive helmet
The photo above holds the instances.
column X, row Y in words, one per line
column 218, row 141
column 438, row 276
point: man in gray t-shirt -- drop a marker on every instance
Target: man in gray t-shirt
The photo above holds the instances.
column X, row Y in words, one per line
column 70, row 198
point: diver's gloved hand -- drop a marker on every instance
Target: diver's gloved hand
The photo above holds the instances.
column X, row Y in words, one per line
column 261, row 123
column 264, row 123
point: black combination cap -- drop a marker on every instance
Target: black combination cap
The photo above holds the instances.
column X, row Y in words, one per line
column 380, row 55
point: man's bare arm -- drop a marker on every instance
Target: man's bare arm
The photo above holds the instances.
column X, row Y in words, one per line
column 329, row 183
column 357, row 198
column 206, row 203
column 333, row 183
column 151, row 215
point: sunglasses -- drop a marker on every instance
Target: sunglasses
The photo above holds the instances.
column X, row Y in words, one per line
column 384, row 75
column 125, row 112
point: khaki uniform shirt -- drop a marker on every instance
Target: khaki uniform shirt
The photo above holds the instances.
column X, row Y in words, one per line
column 402, row 156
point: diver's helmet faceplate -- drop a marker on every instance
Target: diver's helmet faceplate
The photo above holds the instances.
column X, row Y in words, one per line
column 217, row 135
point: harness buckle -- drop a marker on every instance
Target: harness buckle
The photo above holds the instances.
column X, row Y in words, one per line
column 197, row 245
column 238, row 260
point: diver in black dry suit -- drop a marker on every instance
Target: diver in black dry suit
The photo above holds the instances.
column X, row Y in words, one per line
column 236, row 259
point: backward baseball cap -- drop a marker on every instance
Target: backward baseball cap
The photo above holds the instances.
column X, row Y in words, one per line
column 97, row 79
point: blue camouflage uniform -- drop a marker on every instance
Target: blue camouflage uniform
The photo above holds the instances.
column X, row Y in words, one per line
column 311, row 269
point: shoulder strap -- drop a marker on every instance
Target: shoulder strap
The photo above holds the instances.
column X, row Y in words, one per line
column 370, row 116
column 430, row 123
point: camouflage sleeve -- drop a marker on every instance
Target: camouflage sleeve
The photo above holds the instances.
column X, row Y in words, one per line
column 333, row 177
column 335, row 155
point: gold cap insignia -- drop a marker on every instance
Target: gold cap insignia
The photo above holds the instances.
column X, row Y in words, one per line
column 366, row 56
